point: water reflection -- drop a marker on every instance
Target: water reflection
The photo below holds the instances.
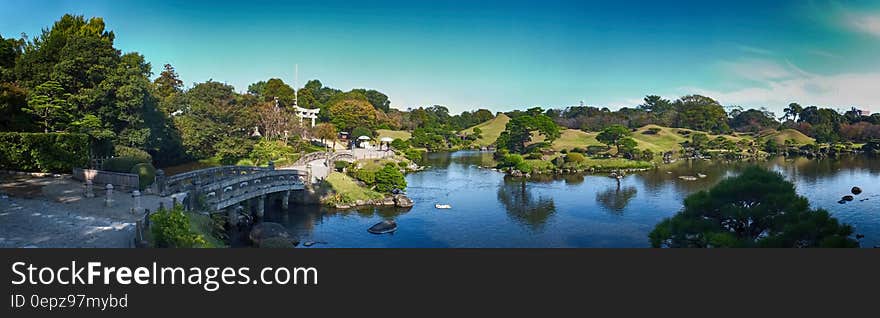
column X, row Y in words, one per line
column 490, row 210
column 522, row 205
column 616, row 199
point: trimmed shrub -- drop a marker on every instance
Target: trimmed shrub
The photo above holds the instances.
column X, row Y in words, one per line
column 399, row 144
column 45, row 152
column 122, row 164
column 245, row 162
column 146, row 174
column 389, row 178
column 651, row 131
column 365, row 175
column 574, row 157
column 414, row 154
column 534, row 156
column 129, row 152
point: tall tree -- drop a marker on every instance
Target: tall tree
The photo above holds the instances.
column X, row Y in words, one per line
column 168, row 83
column 48, row 103
column 348, row 114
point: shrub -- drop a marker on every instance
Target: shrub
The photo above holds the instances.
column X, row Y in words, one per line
column 592, row 150
column 477, row 130
column 574, row 158
column 129, row 152
column 510, row 160
column 171, row 228
column 559, row 161
column 245, row 162
column 651, row 131
column 122, row 164
column 402, row 164
column 271, row 150
column 146, row 174
column 389, row 178
column 365, row 175
column 414, row 154
column 46, row 152
column 578, row 149
column 524, row 167
column 563, row 151
column 534, row 156
column 340, row 165
column 399, row 144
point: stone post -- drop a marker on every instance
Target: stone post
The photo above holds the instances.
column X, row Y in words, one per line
column 108, row 201
column 271, row 165
column 160, row 182
column 90, row 189
column 285, row 200
column 193, row 195
column 261, row 206
column 136, row 195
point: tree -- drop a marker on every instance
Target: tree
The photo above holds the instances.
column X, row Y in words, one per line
column 612, row 135
column 389, row 178
column 325, row 132
column 519, row 130
column 758, row 208
column 792, row 112
column 277, row 88
column 701, row 113
column 48, row 102
column 350, row 113
column 168, row 83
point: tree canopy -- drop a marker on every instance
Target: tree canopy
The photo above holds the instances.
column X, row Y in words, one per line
column 758, row 208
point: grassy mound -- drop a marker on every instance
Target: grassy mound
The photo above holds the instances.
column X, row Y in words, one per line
column 345, row 186
column 788, row 134
column 395, row 134
column 490, row 130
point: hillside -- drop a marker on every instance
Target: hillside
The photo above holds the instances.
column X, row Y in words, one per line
column 667, row 139
column 788, row 134
column 490, row 130
column 394, row 134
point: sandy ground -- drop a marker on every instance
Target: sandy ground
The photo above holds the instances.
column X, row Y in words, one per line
column 52, row 212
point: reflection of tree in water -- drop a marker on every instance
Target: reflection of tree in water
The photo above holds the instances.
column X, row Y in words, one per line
column 616, row 199
column 522, row 206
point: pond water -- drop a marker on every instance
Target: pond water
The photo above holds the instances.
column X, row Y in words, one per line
column 492, row 210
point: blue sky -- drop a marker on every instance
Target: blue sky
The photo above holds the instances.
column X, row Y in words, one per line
column 503, row 55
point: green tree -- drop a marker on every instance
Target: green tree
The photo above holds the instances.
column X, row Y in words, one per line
column 389, row 178
column 519, row 130
column 350, row 113
column 758, row 208
column 168, row 83
column 701, row 113
column 612, row 135
column 48, row 103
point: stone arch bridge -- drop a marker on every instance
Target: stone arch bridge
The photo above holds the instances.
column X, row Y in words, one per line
column 215, row 189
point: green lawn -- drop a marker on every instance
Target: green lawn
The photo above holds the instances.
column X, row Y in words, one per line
column 490, row 130
column 395, row 134
column 346, row 186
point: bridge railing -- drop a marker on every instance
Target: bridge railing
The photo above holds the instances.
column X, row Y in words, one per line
column 230, row 191
column 190, row 180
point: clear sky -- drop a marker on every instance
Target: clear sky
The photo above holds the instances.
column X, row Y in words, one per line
column 507, row 54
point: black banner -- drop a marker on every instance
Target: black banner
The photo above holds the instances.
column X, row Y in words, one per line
column 374, row 282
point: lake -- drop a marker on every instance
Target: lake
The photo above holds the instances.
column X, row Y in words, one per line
column 490, row 209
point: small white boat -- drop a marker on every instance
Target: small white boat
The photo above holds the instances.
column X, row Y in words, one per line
column 443, row 206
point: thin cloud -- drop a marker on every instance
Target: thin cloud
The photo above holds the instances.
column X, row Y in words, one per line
column 865, row 23
column 754, row 50
column 823, row 53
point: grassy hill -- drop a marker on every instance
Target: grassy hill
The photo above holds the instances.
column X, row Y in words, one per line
column 395, row 134
column 490, row 130
column 787, row 134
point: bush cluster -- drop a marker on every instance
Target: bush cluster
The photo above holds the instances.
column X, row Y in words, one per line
column 171, row 228
column 45, row 152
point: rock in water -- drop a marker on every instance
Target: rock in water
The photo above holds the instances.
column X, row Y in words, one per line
column 847, row 198
column 383, row 227
column 856, row 190
column 269, row 233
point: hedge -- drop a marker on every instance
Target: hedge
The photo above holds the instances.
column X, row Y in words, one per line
column 146, row 174
column 122, row 164
column 129, row 152
column 43, row 152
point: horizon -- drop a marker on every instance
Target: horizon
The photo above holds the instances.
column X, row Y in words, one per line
column 523, row 54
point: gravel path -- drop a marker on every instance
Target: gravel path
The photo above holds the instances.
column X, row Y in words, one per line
column 39, row 223
column 51, row 212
